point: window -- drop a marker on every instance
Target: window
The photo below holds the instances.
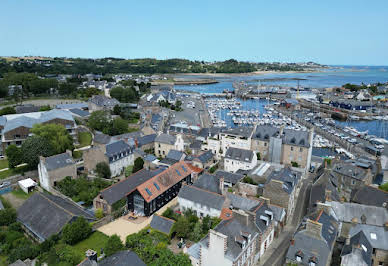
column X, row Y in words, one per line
column 373, row 236
column 311, row 263
column 159, row 145
column 300, row 149
column 148, row 191
column 184, row 169
column 265, row 144
column 164, row 153
column 178, row 172
column 353, row 182
column 298, row 258
column 292, row 148
column 157, row 186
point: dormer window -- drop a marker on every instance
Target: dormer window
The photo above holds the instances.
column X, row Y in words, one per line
column 298, row 258
column 293, row 140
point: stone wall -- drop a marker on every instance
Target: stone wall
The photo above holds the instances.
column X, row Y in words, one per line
column 247, row 189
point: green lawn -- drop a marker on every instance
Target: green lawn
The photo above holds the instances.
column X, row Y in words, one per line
column 11, row 172
column 77, row 154
column 21, row 194
column 84, row 139
column 95, row 241
column 3, row 163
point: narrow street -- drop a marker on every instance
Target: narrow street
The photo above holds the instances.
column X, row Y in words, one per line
column 276, row 253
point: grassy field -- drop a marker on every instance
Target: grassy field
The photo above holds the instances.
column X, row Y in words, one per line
column 95, row 241
column 21, row 194
column 3, row 163
column 84, row 139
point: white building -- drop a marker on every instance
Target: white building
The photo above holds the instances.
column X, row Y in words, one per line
column 239, row 137
column 236, row 159
column 120, row 155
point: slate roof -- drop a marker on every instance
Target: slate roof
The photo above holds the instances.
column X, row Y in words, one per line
column 103, row 101
column 369, row 195
column 242, row 203
column 355, row 246
column 162, row 224
column 168, row 161
column 296, row 137
column 166, row 138
column 289, row 178
column 26, row 108
column 205, row 156
column 175, row 155
column 308, row 245
column 345, row 212
column 58, row 161
column 239, row 154
column 202, row 196
column 376, row 235
column 265, row 132
column 196, row 145
column 349, row 170
column 229, row 177
column 245, row 132
column 318, row 190
column 209, row 183
column 82, row 105
column 118, row 147
column 80, row 112
column 101, row 138
column 119, row 190
column 45, row 214
column 150, row 158
column 147, row 139
column 122, row 258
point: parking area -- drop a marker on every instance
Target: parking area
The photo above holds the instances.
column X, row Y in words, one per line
column 192, row 107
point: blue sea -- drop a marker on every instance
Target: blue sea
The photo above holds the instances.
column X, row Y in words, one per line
column 331, row 77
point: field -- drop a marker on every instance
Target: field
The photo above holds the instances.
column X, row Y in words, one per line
column 3, row 163
column 95, row 241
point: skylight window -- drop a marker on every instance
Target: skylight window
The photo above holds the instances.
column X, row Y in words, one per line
column 364, row 248
column 178, row 172
column 184, row 169
column 148, row 191
column 373, row 236
column 157, row 186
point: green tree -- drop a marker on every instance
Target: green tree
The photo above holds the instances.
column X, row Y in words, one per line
column 138, row 164
column 182, row 227
column 7, row 216
column 76, row 231
column 67, row 254
column 33, row 147
column 45, row 108
column 197, row 232
column 56, row 134
column 7, row 110
column 119, row 126
column 206, row 224
column 384, row 187
column 14, row 155
column 103, row 170
column 117, row 110
column 113, row 245
column 99, row 213
column 98, row 120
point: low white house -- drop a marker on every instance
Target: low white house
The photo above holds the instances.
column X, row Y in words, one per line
column 27, row 185
column 236, row 159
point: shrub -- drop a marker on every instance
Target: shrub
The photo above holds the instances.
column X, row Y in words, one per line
column 294, row 164
column 113, row 245
column 103, row 170
column 99, row 213
column 138, row 165
column 79, row 230
column 249, row 180
column 7, row 216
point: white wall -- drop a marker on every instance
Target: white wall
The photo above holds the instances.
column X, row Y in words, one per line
column 117, row 166
column 232, row 166
column 185, row 204
column 43, row 176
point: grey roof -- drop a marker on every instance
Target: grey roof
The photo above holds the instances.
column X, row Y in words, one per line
column 278, row 212
column 194, row 251
column 349, row 170
column 289, row 178
column 208, row 182
column 376, row 235
column 30, row 119
column 296, row 137
column 245, row 132
column 3, row 120
column 80, row 112
column 318, row 190
column 101, row 138
column 201, row 196
column 369, row 195
column 229, row 177
column 82, row 105
column 150, row 158
column 205, row 156
column 26, row 108
column 166, row 138
column 239, row 154
column 58, row 161
column 147, row 139
column 345, row 212
column 355, row 248
column 265, row 132
column 168, row 161
column 162, row 224
column 117, row 148
column 119, row 190
column 307, row 246
column 122, row 258
column 175, row 155
column 18, row 263
column 45, row 214
column 103, row 101
column 242, row 203
column 196, row 144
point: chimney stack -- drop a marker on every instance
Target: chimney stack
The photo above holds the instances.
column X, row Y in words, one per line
column 347, row 240
column 69, row 152
column 221, row 184
column 266, row 200
column 241, row 216
column 323, row 206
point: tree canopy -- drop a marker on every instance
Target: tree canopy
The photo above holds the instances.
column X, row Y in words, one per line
column 56, row 135
column 76, row 231
column 14, row 155
column 33, row 147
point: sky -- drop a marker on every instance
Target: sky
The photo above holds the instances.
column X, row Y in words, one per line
column 335, row 32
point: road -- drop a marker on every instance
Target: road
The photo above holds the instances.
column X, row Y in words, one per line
column 275, row 254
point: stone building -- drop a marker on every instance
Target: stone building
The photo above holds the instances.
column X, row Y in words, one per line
column 55, row 168
column 101, row 102
column 165, row 142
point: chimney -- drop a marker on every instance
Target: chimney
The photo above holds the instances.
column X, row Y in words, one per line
column 136, row 143
column 241, row 216
column 314, row 228
column 328, row 194
column 91, row 255
column 323, row 206
column 42, row 159
column 347, row 240
column 221, row 185
column 69, row 152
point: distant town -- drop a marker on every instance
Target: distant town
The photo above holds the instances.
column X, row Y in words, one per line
column 124, row 162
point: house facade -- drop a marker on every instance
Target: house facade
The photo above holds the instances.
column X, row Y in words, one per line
column 236, row 159
column 165, row 142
